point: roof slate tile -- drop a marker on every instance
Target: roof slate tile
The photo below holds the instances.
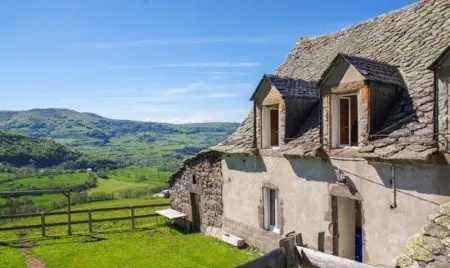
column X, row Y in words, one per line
column 411, row 38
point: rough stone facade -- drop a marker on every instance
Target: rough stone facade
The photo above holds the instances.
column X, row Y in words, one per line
column 430, row 248
column 258, row 237
column 208, row 181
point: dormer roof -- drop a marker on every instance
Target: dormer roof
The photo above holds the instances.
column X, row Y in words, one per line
column 288, row 87
column 369, row 69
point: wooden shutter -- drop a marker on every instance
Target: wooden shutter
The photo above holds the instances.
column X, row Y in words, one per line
column 344, row 118
column 274, row 127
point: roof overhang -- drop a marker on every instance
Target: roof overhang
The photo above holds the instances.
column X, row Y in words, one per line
column 370, row 72
column 255, row 93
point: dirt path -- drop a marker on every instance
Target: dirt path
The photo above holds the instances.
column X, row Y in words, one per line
column 30, row 260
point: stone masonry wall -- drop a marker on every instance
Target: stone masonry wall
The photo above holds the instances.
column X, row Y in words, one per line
column 258, row 237
column 208, row 181
column 430, row 248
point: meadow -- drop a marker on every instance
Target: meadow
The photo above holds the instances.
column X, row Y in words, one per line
column 113, row 184
column 113, row 244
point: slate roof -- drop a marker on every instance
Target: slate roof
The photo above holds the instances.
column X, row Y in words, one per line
column 411, row 38
column 291, row 88
column 371, row 70
column 241, row 141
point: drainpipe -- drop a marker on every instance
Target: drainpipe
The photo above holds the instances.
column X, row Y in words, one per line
column 394, row 187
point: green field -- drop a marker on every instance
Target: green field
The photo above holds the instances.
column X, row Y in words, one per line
column 44, row 182
column 114, row 244
column 121, row 183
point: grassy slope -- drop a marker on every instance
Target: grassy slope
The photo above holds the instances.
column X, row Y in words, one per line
column 148, row 246
column 107, row 138
column 120, row 179
column 45, row 182
column 11, row 258
column 19, row 150
column 162, row 247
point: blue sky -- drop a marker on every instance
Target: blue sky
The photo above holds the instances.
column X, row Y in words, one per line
column 170, row 61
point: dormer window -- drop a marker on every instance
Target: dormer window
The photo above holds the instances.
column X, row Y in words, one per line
column 271, row 127
column 345, row 122
column 357, row 95
column 281, row 105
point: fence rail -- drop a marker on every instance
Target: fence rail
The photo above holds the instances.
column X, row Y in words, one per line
column 43, row 225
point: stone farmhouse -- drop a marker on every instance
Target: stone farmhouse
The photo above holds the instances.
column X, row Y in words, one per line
column 348, row 140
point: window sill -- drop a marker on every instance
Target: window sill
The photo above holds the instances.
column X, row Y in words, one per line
column 346, row 147
column 273, row 229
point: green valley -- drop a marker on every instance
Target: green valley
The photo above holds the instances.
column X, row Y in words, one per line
column 131, row 142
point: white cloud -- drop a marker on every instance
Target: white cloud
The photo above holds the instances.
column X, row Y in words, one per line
column 183, row 41
column 221, row 95
column 211, row 64
column 196, row 118
column 225, row 64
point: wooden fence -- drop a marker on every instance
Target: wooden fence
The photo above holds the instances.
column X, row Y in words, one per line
column 43, row 225
column 292, row 254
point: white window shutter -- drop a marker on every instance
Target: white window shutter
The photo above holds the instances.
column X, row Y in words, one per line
column 266, row 208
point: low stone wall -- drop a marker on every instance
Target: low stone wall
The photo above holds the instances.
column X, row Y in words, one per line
column 430, row 248
column 260, row 238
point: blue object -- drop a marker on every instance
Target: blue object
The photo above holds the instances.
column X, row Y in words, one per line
column 358, row 245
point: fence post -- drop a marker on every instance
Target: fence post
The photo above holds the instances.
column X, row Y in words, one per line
column 43, row 223
column 90, row 221
column 69, row 218
column 132, row 217
column 288, row 244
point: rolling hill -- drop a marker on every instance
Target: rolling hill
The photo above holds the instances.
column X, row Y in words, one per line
column 155, row 144
column 20, row 150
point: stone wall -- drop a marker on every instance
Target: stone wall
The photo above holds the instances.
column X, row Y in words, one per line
column 430, row 248
column 258, row 237
column 200, row 175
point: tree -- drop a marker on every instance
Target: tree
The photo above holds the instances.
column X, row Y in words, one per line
column 91, row 181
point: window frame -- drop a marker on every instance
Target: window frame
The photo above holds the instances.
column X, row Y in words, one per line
column 336, row 120
column 266, row 124
column 266, row 203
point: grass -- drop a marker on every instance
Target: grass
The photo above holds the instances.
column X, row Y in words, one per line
column 41, row 182
column 139, row 174
column 159, row 247
column 114, row 244
column 130, row 178
column 82, row 228
column 10, row 258
column 113, row 186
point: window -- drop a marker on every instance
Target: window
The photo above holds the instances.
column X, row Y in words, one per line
column 270, row 127
column 345, row 129
column 194, row 179
column 271, row 209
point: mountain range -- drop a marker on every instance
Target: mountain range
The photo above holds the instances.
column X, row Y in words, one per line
column 156, row 144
